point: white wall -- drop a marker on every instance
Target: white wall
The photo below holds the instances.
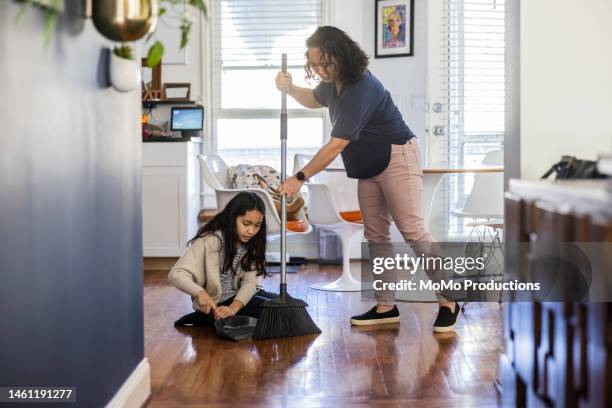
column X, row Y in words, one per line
column 566, row 81
column 404, row 77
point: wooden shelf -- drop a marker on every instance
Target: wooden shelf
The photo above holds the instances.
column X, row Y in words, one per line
column 154, row 103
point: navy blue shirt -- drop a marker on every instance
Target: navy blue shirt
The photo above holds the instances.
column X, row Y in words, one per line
column 365, row 114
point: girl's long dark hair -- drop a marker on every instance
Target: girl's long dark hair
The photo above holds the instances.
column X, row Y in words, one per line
column 338, row 48
column 225, row 222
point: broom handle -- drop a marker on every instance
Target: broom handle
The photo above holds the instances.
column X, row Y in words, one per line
column 283, row 237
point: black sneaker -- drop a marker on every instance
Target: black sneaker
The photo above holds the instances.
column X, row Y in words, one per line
column 372, row 317
column 446, row 319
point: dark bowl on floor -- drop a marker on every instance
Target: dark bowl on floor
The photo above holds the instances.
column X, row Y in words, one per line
column 236, row 328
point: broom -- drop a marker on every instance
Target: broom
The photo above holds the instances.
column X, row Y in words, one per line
column 284, row 316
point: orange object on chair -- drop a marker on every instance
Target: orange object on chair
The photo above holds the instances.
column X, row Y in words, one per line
column 296, row 226
column 352, row 216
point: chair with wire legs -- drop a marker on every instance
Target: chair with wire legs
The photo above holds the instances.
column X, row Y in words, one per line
column 484, row 208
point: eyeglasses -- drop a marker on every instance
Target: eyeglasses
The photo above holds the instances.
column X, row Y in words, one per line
column 323, row 65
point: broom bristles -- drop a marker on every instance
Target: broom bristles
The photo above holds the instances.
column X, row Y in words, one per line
column 284, row 317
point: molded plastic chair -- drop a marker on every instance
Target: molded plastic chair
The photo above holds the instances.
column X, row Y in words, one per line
column 214, row 170
column 485, row 207
column 329, row 193
column 486, row 200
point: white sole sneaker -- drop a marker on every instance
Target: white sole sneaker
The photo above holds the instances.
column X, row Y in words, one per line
column 375, row 321
column 446, row 329
column 448, row 319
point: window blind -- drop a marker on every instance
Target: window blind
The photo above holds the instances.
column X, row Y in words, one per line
column 249, row 37
column 253, row 33
column 474, row 82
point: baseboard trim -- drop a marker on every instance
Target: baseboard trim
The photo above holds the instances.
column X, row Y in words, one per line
column 135, row 390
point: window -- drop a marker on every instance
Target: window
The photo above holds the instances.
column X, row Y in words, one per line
column 249, row 37
column 476, row 91
column 472, row 93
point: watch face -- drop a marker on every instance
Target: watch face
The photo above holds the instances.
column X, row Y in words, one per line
column 300, row 176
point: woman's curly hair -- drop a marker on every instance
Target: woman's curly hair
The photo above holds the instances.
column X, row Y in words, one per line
column 339, row 49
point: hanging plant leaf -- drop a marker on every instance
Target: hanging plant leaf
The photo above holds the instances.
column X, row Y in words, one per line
column 49, row 27
column 51, row 8
column 22, row 11
column 200, row 5
column 156, row 52
column 185, row 29
column 57, row 5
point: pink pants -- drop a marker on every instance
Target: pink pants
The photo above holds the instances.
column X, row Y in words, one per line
column 394, row 193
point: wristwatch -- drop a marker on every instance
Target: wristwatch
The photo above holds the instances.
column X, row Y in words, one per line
column 300, row 176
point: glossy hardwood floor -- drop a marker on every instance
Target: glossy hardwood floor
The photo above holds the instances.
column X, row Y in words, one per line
column 402, row 364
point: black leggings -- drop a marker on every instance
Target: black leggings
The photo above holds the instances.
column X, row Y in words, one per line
column 251, row 309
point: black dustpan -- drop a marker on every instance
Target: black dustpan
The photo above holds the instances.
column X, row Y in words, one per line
column 236, row 328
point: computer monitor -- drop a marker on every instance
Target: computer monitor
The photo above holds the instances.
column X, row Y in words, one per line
column 187, row 118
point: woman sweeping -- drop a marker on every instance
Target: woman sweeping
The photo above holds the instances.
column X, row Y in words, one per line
column 377, row 148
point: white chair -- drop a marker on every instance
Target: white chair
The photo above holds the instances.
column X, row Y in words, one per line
column 485, row 207
column 328, row 194
column 214, row 169
column 485, row 203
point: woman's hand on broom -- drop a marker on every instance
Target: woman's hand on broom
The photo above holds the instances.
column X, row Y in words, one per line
column 290, row 187
column 284, row 82
column 205, row 302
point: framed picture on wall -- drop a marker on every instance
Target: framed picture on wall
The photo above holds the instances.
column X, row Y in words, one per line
column 394, row 28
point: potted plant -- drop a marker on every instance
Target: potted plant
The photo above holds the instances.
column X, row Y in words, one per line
column 124, row 71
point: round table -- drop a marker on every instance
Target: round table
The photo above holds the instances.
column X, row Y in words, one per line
column 432, row 178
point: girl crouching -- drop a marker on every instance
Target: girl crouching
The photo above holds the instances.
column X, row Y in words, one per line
column 221, row 267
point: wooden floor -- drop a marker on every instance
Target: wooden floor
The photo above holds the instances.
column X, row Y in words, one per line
column 397, row 364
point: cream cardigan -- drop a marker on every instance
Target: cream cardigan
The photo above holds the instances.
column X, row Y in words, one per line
column 198, row 269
